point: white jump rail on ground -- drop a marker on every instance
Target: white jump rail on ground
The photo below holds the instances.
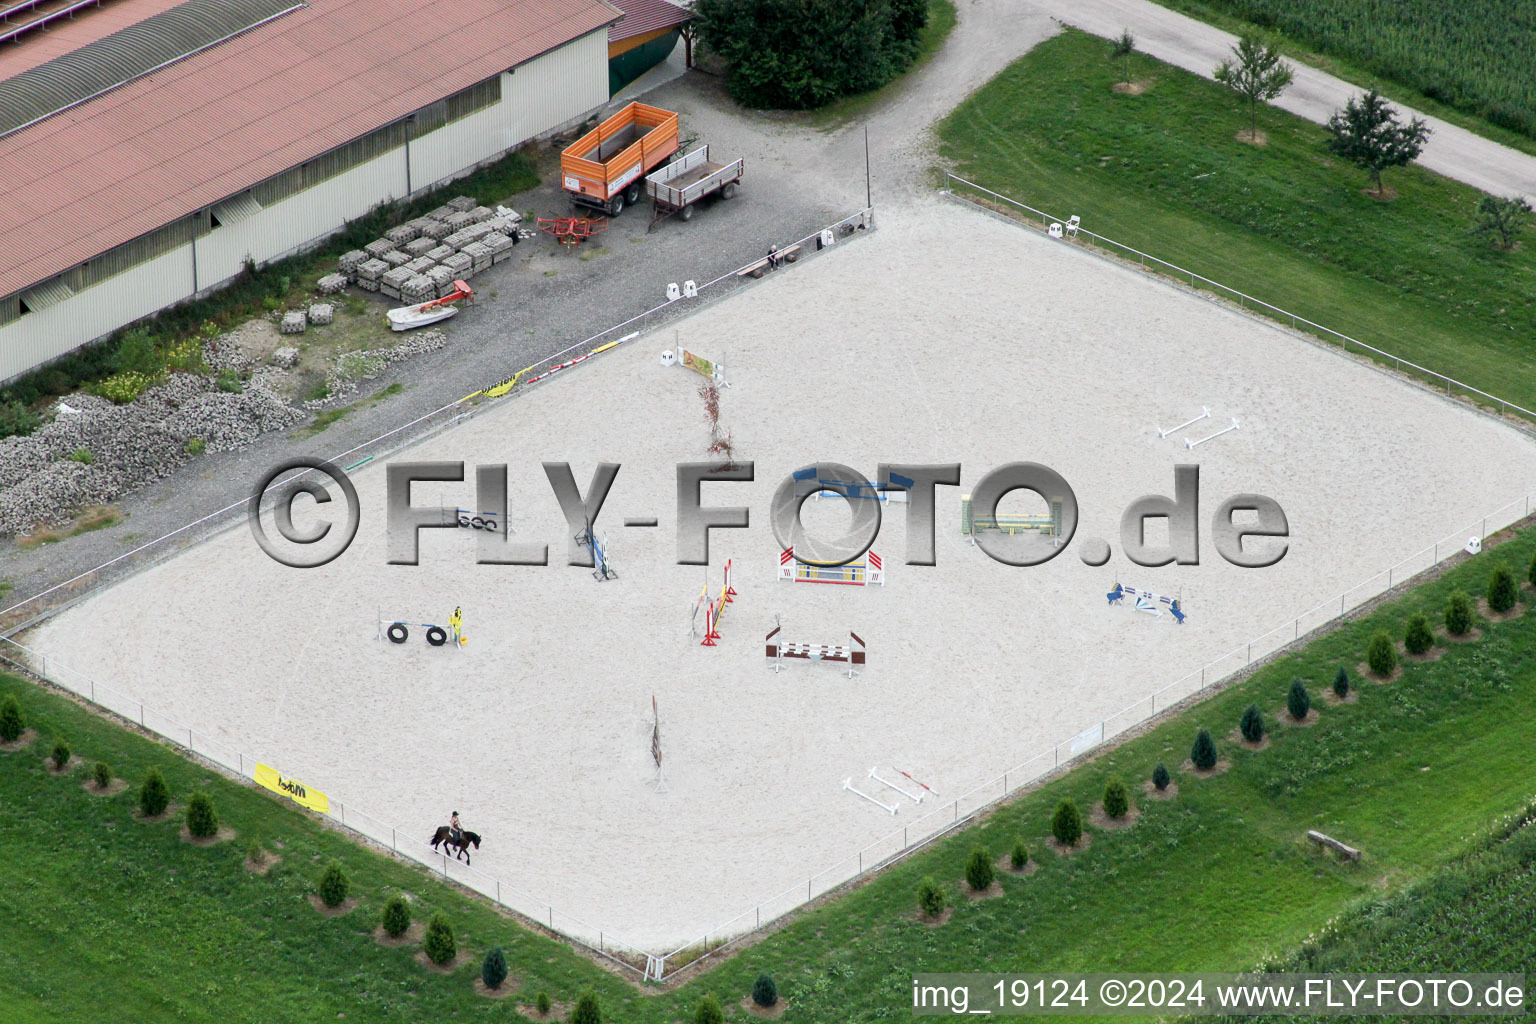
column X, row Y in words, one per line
column 1243, row 298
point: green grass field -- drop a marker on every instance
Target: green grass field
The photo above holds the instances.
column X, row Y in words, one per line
column 1474, row 58
column 1478, row 911
column 1286, row 223
column 1412, row 773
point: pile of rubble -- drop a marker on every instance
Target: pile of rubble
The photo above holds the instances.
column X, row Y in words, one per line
column 350, row 369
column 420, row 259
column 94, row 452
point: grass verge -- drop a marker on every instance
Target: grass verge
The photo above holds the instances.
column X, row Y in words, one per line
column 1286, row 223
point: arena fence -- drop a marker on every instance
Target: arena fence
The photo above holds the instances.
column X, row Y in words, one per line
column 884, row 851
column 957, row 187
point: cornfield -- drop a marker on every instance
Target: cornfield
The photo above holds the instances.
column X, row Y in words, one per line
column 1478, row 56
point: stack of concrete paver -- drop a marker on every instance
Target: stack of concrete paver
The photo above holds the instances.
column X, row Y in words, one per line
column 395, row 258
column 441, row 253
column 417, row 288
column 349, row 263
column 390, row 283
column 294, row 322
column 480, row 254
column 462, row 266
column 499, row 245
column 461, row 204
column 402, row 234
column 419, row 246
column 332, row 284
column 321, row 312
column 378, row 247
column 369, row 273
column 442, row 281
column 420, row 265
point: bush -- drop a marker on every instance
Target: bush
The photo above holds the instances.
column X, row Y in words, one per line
column 101, row 775
column 1298, row 702
column 12, row 725
column 764, row 992
column 1116, row 801
column 1458, row 614
column 59, row 755
column 137, row 352
column 1203, row 753
column 123, row 388
column 154, row 794
column 541, row 1002
column 253, row 851
column 1018, row 857
column 708, row 1010
column 196, row 446
column 493, row 971
column 1160, row 777
column 930, row 897
column 1251, row 724
column 586, row 1010
column 1067, row 823
column 202, row 819
column 16, row 418
column 1503, row 591
column 397, row 916
column 229, row 382
column 439, row 944
column 334, row 886
column 1530, row 574
column 979, row 874
column 1418, row 639
column 82, row 456
column 1341, row 683
column 1380, row 655
column 798, row 54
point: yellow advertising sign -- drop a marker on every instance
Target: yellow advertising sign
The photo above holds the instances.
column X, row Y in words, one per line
column 293, row 789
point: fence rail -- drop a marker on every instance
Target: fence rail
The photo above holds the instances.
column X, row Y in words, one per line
column 1243, row 298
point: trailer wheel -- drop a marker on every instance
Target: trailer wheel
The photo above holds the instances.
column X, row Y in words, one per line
column 686, row 213
column 616, row 206
column 728, row 190
column 632, row 194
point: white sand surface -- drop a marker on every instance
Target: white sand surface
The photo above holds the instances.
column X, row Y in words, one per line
column 945, row 336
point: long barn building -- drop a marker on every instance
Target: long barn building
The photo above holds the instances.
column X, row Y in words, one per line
column 148, row 148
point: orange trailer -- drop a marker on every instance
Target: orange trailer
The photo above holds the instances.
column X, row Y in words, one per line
column 606, row 167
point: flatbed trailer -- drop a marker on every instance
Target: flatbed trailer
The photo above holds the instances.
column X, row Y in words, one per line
column 676, row 187
column 603, row 168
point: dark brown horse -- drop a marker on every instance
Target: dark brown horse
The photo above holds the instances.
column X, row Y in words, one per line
column 444, row 837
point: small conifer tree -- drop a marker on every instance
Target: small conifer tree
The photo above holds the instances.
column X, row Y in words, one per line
column 1203, row 753
column 1298, row 702
column 1067, row 823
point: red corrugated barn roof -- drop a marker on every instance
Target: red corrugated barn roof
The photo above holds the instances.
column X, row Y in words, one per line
column 642, row 16
column 207, row 127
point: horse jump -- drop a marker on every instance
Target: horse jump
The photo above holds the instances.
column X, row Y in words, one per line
column 850, row 654
column 1049, row 525
column 1204, row 414
column 600, row 568
column 713, row 609
column 889, row 808
column 854, row 574
column 1146, row 601
column 397, row 631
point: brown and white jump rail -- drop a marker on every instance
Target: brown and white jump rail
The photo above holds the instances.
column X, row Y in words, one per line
column 850, row 654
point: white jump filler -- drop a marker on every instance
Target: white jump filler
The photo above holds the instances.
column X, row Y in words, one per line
column 1204, row 414
column 848, row 785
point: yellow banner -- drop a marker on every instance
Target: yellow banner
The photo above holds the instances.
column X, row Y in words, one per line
column 304, row 796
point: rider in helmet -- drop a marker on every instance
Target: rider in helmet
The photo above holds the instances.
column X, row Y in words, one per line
column 455, row 830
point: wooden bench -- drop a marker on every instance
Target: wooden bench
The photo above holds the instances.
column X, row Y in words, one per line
column 762, row 266
column 1348, row 852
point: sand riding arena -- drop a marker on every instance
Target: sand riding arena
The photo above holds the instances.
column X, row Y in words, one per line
column 945, row 336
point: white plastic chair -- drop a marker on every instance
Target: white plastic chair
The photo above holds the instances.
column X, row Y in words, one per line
column 1072, row 224
column 1054, row 230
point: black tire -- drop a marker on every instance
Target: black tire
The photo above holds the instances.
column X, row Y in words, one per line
column 490, row 524
column 477, row 523
column 397, row 633
column 686, row 213
column 728, row 190
column 632, row 194
column 616, row 206
column 437, row 636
